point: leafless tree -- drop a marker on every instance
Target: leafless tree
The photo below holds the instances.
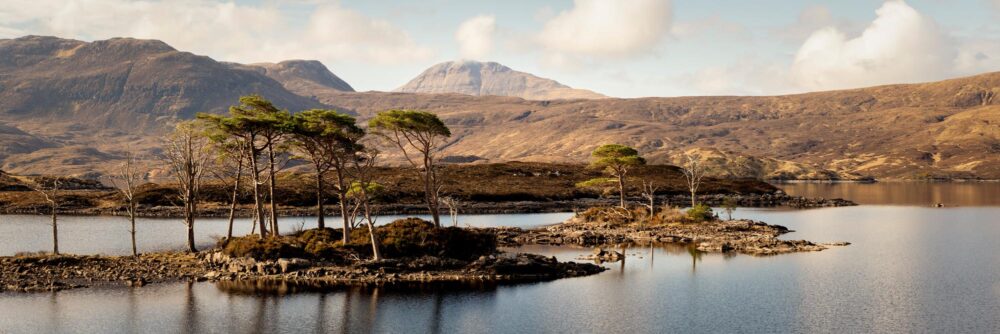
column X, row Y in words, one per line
column 187, row 153
column 453, row 205
column 126, row 180
column 694, row 171
column 649, row 189
column 50, row 190
column 363, row 191
column 232, row 154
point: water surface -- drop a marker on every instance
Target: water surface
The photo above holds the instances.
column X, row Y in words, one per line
column 910, row 269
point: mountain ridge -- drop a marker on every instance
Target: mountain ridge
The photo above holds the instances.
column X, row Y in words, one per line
column 74, row 107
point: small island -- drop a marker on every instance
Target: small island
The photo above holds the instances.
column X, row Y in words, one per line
column 336, row 166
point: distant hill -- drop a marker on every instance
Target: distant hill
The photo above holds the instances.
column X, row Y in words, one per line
column 58, row 96
column 122, row 82
column 945, row 129
column 482, row 79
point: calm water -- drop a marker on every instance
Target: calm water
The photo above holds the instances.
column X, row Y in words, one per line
column 910, row 269
column 109, row 235
column 904, row 193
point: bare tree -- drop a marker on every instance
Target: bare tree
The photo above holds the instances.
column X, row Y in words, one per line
column 694, row 171
column 363, row 191
column 50, row 190
column 649, row 193
column 453, row 205
column 232, row 153
column 187, row 153
column 126, row 181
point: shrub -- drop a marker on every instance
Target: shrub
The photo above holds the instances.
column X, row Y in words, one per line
column 322, row 243
column 669, row 214
column 412, row 237
column 612, row 215
column 264, row 249
column 700, row 213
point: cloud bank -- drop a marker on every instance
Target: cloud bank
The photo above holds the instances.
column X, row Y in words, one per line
column 224, row 30
column 900, row 45
column 607, row 28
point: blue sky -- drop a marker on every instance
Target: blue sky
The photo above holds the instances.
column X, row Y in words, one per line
column 624, row 48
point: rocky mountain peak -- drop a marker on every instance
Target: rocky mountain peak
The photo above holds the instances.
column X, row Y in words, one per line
column 490, row 78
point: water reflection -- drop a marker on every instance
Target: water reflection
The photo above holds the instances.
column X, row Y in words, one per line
column 903, row 193
column 909, row 269
column 109, row 235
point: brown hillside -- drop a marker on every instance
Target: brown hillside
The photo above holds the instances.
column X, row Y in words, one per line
column 72, row 107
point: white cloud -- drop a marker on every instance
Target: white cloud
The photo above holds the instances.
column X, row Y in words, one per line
column 224, row 30
column 607, row 28
column 900, row 45
column 475, row 37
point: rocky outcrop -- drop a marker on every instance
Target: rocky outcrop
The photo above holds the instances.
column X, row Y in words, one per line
column 499, row 267
column 300, row 76
column 36, row 273
column 741, row 236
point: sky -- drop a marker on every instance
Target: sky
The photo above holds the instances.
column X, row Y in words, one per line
column 621, row 48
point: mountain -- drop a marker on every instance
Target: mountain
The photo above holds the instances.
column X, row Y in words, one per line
column 57, row 95
column 946, row 129
column 74, row 107
column 481, row 79
column 121, row 83
column 301, row 76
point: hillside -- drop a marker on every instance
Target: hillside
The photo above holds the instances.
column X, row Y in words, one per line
column 946, row 129
column 71, row 102
column 489, row 78
column 73, row 107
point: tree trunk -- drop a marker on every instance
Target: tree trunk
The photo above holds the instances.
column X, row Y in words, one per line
column 371, row 234
column 232, row 205
column 320, row 220
column 621, row 189
column 189, row 209
column 342, row 198
column 430, row 184
column 55, row 232
column 131, row 218
column 652, row 205
column 693, row 198
column 257, row 205
column 274, row 216
column 371, row 225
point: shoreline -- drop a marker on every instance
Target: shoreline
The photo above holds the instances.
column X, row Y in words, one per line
column 220, row 210
column 40, row 273
column 49, row 273
column 742, row 236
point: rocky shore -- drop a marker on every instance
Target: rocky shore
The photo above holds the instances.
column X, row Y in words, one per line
column 741, row 236
column 37, row 273
column 42, row 273
column 500, row 267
